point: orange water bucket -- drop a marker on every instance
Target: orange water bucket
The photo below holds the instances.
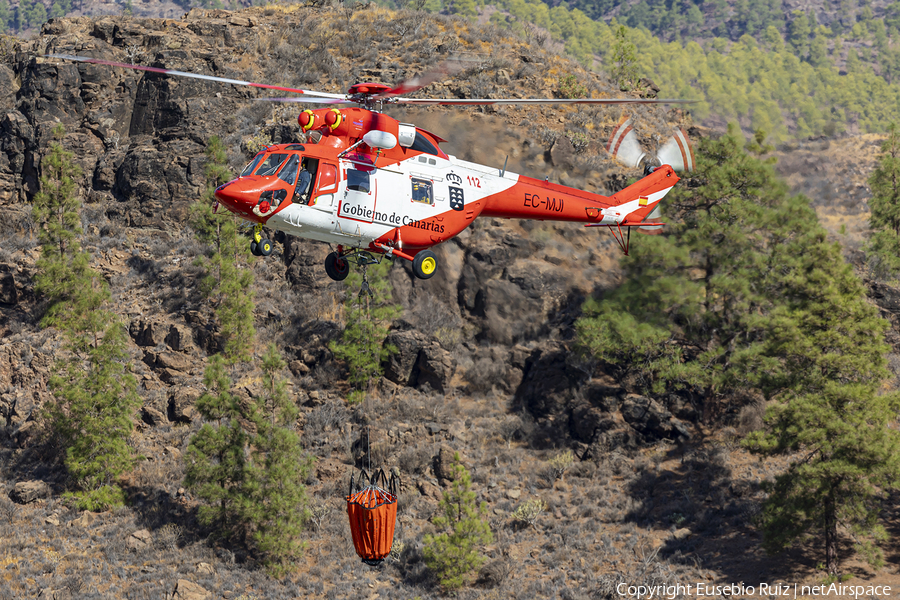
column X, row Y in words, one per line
column 372, row 509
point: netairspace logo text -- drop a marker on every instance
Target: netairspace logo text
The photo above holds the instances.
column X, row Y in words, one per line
column 778, row 590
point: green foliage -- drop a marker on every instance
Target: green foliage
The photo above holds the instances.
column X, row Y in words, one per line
column 30, row 14
column 765, row 84
column 251, row 482
column 463, row 8
column 367, row 319
column 830, row 349
column 277, row 503
column 5, row 16
column 94, row 417
column 798, row 33
column 569, row 87
column 215, row 466
column 884, row 246
column 95, row 395
column 710, row 275
column 624, row 69
column 453, row 553
column 745, row 292
column 227, row 282
column 75, row 292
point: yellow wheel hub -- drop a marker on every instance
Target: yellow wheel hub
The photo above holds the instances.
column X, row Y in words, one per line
column 429, row 265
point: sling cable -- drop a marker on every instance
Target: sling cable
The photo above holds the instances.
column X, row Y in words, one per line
column 371, row 499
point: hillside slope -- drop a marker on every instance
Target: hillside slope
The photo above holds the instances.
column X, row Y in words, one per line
column 486, row 366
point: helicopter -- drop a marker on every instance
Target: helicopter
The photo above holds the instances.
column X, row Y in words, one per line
column 375, row 187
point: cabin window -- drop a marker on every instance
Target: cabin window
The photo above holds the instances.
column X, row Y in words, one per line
column 422, row 191
column 358, row 181
column 270, row 167
column 423, row 144
column 327, row 177
column 249, row 168
column 288, row 173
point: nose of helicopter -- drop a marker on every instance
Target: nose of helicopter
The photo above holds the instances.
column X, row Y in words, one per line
column 235, row 197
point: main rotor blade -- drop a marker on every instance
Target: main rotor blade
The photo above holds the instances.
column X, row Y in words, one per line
column 97, row 61
column 445, row 69
column 477, row 101
column 309, row 100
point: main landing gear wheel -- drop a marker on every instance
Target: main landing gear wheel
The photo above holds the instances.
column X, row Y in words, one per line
column 265, row 247
column 425, row 264
column 254, row 248
column 337, row 268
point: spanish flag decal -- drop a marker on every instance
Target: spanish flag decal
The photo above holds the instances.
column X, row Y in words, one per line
column 643, row 200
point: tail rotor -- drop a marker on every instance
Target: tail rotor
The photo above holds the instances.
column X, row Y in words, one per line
column 624, row 146
column 675, row 152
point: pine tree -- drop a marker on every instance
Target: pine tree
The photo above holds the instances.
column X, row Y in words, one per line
column 453, row 553
column 64, row 278
column 226, row 282
column 276, row 507
column 5, row 16
column 367, row 319
column 95, row 418
column 826, row 361
column 884, row 246
column 798, row 33
column 96, row 397
column 707, row 270
column 746, row 293
column 624, row 61
column 463, row 8
column 215, row 462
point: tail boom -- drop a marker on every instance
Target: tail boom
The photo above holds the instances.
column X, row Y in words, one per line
column 535, row 199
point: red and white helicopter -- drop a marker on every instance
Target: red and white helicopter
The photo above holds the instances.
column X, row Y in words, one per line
column 377, row 186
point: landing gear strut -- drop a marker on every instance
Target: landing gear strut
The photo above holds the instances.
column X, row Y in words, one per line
column 260, row 246
column 337, row 264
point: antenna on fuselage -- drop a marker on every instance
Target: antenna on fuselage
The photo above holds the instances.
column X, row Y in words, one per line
column 503, row 170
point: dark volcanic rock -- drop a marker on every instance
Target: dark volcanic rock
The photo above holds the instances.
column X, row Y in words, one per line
column 400, row 366
column 418, row 361
column 181, row 404
column 435, row 368
column 653, row 421
column 550, row 382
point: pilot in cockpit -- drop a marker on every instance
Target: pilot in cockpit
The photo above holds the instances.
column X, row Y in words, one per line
column 303, row 178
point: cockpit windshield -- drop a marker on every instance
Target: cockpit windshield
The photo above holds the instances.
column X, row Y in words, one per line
column 271, row 165
column 249, row 168
column 288, row 173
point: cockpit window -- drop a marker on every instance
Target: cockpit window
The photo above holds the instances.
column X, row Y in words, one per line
column 249, row 168
column 423, row 144
column 358, row 181
column 271, row 165
column 288, row 173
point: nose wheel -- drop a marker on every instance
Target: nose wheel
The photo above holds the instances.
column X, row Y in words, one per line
column 260, row 246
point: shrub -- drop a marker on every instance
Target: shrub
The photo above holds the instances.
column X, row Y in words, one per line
column 453, row 554
column 561, row 463
column 528, row 512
